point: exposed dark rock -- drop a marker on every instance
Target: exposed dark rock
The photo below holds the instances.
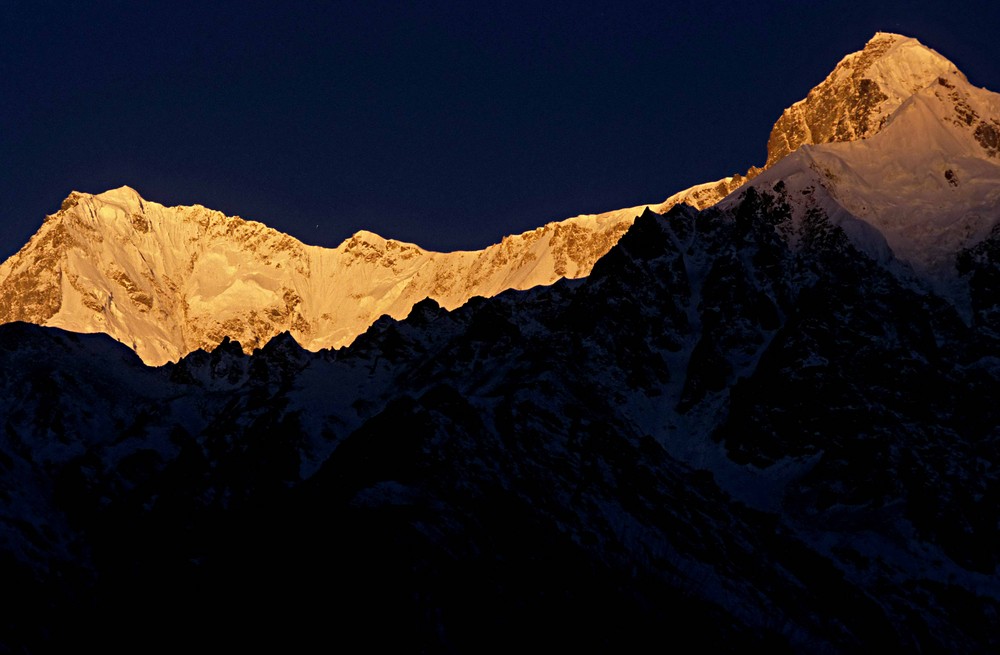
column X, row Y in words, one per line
column 988, row 136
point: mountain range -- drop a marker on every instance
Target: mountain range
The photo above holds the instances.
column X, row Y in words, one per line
column 169, row 280
column 760, row 412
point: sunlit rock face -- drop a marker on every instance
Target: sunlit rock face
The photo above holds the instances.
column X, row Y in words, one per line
column 854, row 102
column 856, row 99
column 703, row 196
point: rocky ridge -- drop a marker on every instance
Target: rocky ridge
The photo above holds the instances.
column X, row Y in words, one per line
column 169, row 280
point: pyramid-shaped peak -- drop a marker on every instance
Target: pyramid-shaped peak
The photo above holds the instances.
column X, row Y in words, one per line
column 858, row 96
column 123, row 191
column 123, row 195
column 366, row 235
column 886, row 41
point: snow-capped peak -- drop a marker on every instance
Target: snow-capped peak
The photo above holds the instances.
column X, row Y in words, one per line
column 853, row 102
column 124, row 194
column 856, row 99
column 928, row 181
column 368, row 237
column 169, row 280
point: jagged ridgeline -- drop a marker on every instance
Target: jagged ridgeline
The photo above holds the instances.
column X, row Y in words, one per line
column 769, row 421
column 169, row 280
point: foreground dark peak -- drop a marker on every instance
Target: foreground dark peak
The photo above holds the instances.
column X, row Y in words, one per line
column 738, row 428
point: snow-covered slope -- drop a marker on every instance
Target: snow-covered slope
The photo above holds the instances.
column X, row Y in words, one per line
column 852, row 103
column 169, row 280
column 703, row 196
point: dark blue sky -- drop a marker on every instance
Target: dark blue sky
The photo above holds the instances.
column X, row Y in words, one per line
column 445, row 124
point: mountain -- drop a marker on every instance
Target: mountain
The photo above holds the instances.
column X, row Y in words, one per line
column 759, row 423
column 169, row 280
column 928, row 182
column 854, row 102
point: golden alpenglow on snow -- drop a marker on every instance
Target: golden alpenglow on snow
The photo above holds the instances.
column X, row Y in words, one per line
column 169, row 280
